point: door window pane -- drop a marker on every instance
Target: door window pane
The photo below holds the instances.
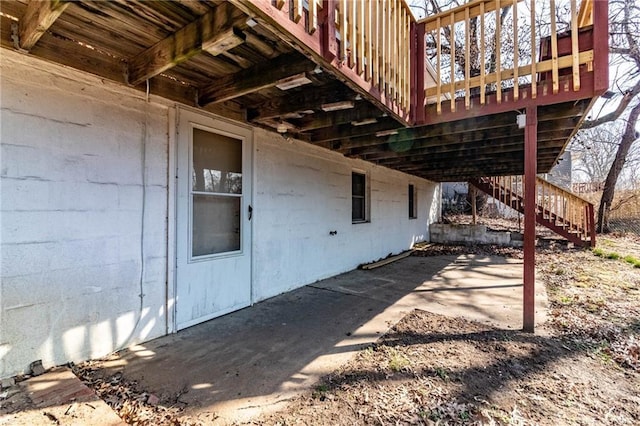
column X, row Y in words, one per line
column 217, row 163
column 216, row 224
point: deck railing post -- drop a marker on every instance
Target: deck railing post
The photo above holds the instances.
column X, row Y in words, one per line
column 530, row 166
column 328, row 30
column 417, row 58
column 592, row 225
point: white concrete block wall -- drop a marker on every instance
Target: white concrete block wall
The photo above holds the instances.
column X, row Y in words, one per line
column 71, row 212
column 71, row 215
column 304, row 192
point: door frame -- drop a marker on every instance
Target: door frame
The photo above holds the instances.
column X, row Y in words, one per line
column 175, row 115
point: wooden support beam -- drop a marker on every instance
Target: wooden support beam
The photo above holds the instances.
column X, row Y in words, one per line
column 530, row 170
column 215, row 31
column 260, row 76
column 461, row 152
column 347, row 130
column 362, row 111
column 306, row 100
column 37, row 19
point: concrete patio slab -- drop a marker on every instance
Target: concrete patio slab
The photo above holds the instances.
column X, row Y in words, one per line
column 254, row 360
column 58, row 397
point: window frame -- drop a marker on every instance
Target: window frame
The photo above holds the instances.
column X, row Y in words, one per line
column 364, row 197
column 412, row 201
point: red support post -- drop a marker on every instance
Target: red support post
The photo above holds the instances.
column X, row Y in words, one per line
column 592, row 224
column 600, row 46
column 530, row 169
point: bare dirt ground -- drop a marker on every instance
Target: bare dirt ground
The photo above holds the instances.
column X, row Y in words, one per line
column 582, row 367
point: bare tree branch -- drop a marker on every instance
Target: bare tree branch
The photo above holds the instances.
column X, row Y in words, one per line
column 614, row 115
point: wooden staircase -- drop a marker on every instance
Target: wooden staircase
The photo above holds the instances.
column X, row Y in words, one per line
column 557, row 209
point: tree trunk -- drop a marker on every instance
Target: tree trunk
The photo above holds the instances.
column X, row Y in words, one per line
column 628, row 138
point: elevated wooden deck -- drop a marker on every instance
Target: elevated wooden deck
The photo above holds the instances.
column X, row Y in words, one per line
column 364, row 78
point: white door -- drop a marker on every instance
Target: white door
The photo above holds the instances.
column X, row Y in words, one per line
column 213, row 232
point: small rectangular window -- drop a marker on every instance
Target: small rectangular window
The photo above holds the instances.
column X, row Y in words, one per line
column 413, row 205
column 358, row 197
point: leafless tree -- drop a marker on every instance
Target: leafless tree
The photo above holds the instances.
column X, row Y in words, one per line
column 624, row 30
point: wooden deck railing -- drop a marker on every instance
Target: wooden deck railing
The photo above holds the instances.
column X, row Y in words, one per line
column 375, row 40
column 464, row 57
column 561, row 210
column 368, row 41
column 492, row 46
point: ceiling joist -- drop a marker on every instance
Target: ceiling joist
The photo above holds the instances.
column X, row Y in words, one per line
column 37, row 19
column 216, row 31
column 307, row 100
column 261, row 76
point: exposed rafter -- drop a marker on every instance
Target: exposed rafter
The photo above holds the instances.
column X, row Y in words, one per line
column 37, row 19
column 302, row 101
column 362, row 111
column 258, row 77
column 348, row 131
column 216, row 31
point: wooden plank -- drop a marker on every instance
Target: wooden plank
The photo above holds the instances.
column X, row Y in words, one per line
column 393, row 51
column 37, row 19
column 534, row 75
column 459, row 13
column 554, row 48
column 375, row 36
column 313, row 16
column 585, row 16
column 498, row 46
column 213, row 28
column 322, row 119
column 361, row 31
column 585, row 94
column 369, row 44
column 297, row 37
column 516, row 51
column 306, row 100
column 446, row 137
column 343, row 31
column 349, row 131
column 574, row 47
column 438, row 70
column 483, row 71
column 406, row 26
column 353, row 34
column 462, row 153
column 383, row 43
column 260, row 45
column 419, row 61
column 452, row 62
column 386, row 261
column 541, row 67
column 258, row 77
column 467, row 60
column 397, row 52
column 297, row 10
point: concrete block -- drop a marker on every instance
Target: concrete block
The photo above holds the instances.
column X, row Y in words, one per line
column 36, row 368
column 8, row 382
